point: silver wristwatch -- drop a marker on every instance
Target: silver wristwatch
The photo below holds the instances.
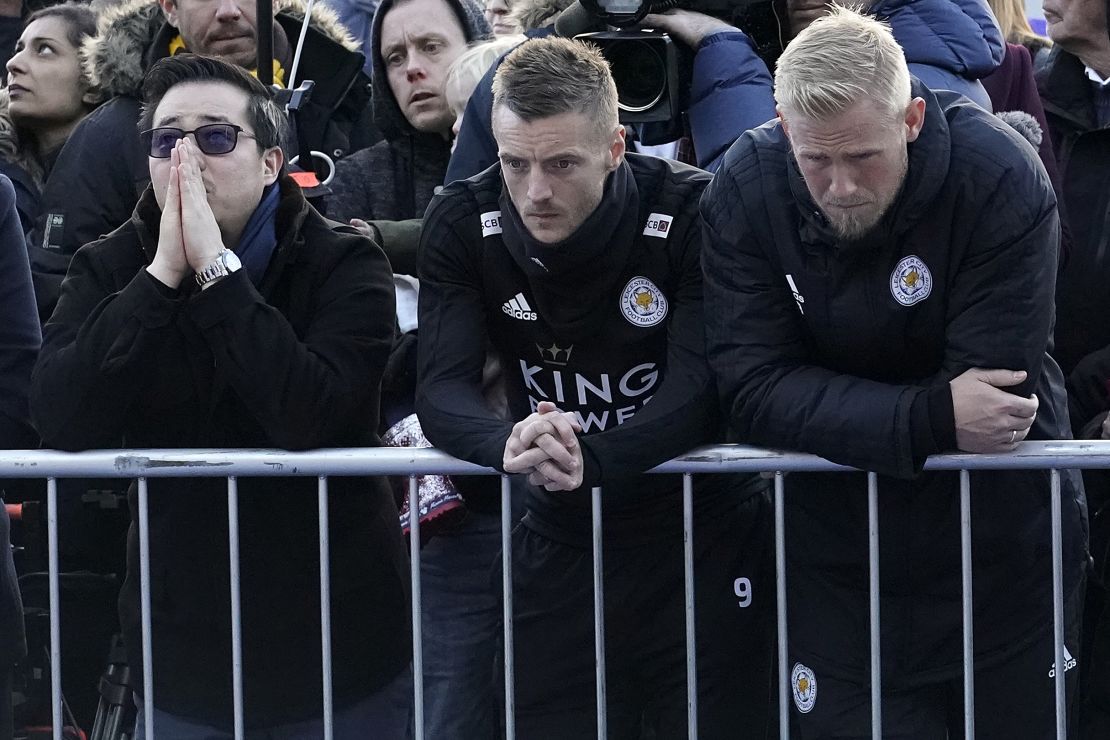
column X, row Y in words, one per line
column 226, row 263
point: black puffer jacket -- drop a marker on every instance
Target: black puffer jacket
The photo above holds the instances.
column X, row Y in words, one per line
column 293, row 364
column 102, row 170
column 845, row 350
column 396, row 178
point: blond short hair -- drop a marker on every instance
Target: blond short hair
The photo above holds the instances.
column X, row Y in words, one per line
column 841, row 59
column 469, row 67
column 550, row 76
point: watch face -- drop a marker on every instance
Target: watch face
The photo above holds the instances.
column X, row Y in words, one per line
column 231, row 261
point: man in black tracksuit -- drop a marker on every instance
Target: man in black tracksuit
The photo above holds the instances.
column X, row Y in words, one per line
column 879, row 265
column 581, row 266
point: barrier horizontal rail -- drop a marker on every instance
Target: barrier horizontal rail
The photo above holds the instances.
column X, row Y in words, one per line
column 212, row 463
column 233, row 464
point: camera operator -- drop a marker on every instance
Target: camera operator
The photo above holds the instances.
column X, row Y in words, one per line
column 730, row 93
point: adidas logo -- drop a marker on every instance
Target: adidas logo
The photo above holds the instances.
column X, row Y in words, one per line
column 1069, row 663
column 518, row 308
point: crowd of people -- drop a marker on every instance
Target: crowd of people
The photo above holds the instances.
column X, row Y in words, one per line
column 872, row 235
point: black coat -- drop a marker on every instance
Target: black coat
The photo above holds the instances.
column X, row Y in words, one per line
column 834, row 348
column 1083, row 154
column 19, row 345
column 294, row 364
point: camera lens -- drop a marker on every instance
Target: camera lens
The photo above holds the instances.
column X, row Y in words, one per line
column 640, row 73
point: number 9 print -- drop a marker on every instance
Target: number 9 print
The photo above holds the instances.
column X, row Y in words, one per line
column 742, row 587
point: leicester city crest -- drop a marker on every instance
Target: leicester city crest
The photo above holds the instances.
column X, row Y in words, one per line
column 642, row 303
column 804, row 684
column 911, row 281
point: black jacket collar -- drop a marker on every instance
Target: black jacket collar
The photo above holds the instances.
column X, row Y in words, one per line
column 1065, row 89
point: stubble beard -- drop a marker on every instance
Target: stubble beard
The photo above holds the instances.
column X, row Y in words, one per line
column 850, row 226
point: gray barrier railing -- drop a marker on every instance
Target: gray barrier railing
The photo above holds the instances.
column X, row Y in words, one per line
column 233, row 464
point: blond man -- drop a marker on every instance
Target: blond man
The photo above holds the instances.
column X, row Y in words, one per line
column 879, row 267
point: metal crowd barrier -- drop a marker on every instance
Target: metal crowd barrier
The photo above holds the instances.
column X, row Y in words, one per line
column 233, row 464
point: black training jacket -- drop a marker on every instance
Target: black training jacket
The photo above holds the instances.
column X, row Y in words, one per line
column 845, row 350
column 631, row 363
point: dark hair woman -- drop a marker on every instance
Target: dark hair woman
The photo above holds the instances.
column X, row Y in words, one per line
column 46, row 97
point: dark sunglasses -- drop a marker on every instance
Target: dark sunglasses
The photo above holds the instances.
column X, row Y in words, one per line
column 213, row 138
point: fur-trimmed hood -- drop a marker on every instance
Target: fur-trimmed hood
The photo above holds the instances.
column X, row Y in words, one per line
column 530, row 14
column 9, row 138
column 117, row 58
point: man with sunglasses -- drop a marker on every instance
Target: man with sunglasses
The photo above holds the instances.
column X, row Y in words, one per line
column 96, row 181
column 228, row 313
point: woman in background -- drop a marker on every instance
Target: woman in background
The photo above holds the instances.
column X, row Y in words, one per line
column 46, row 97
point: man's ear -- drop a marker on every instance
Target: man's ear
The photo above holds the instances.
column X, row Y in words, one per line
column 782, row 122
column 915, row 119
column 272, row 161
column 617, row 147
column 169, row 9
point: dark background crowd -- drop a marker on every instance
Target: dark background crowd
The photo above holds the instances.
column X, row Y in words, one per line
column 399, row 108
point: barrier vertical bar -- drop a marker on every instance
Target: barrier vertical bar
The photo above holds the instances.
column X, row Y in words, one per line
column 417, row 632
column 691, row 632
column 873, row 593
column 780, row 604
column 968, row 619
column 599, row 616
column 144, row 597
column 507, row 605
column 55, row 607
column 236, row 613
column 325, row 603
column 1058, row 607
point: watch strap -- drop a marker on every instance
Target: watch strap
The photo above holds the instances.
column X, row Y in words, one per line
column 217, row 269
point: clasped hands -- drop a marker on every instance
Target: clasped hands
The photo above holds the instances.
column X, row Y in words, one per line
column 545, row 447
column 189, row 238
